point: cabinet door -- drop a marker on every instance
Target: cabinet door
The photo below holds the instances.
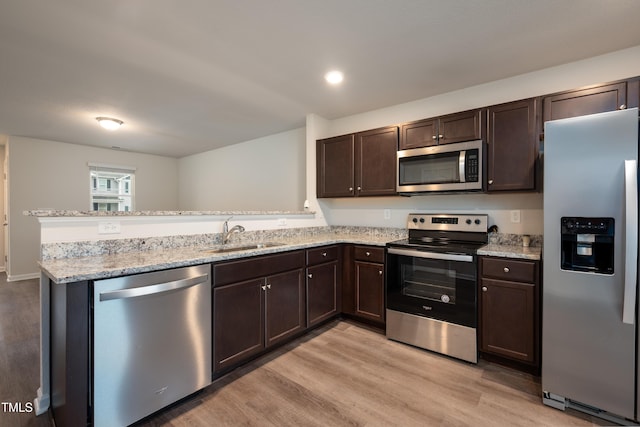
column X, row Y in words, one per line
column 422, row 133
column 285, row 306
column 322, row 292
column 369, row 284
column 238, row 313
column 508, row 319
column 376, row 160
column 335, row 167
column 512, row 146
column 580, row 102
column 460, row 127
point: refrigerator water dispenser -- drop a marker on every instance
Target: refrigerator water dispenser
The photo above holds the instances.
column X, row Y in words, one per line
column 587, row 244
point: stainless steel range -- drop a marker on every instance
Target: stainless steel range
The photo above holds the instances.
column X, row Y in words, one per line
column 431, row 283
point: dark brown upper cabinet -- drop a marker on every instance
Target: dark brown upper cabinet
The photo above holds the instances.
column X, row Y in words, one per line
column 458, row 127
column 588, row 100
column 357, row 165
column 512, row 146
column 633, row 92
column 335, row 166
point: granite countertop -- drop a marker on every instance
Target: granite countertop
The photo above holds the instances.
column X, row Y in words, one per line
column 511, row 251
column 54, row 213
column 67, row 270
column 95, row 267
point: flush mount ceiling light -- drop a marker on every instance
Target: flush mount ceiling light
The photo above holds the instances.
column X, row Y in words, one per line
column 334, row 77
column 109, row 123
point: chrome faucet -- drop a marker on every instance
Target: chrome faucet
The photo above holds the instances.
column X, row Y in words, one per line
column 226, row 233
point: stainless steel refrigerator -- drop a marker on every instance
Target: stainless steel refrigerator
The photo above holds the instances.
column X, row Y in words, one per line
column 589, row 321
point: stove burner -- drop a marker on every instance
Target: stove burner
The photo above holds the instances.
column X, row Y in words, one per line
column 446, row 233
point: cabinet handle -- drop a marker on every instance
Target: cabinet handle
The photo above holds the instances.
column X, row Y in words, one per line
column 490, row 181
column 324, row 254
column 380, row 272
column 350, row 188
column 506, row 269
column 484, row 289
column 623, row 107
column 268, row 286
column 367, row 253
column 434, row 137
column 310, row 276
column 359, row 188
column 440, row 136
column 264, row 288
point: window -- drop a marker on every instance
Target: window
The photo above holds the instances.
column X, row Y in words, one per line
column 111, row 187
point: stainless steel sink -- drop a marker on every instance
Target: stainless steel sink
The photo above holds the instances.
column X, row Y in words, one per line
column 225, row 249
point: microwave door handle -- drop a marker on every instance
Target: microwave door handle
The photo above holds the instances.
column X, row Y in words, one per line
column 461, row 165
column 631, row 241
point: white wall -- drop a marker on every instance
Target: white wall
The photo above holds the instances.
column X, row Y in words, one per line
column 55, row 175
column 262, row 174
column 610, row 67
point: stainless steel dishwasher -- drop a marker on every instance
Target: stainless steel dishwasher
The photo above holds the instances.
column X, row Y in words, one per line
column 151, row 342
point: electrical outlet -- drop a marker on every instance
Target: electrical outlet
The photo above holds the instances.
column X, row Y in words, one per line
column 282, row 222
column 515, row 217
column 386, row 214
column 111, row 227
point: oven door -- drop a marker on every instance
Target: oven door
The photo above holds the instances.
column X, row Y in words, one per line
column 431, row 284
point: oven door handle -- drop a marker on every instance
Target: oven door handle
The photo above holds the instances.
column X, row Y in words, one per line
column 430, row 255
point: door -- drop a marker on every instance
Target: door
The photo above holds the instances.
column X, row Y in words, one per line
column 589, row 354
column 375, row 166
column 512, row 146
column 151, row 342
column 322, row 292
column 335, row 170
column 285, row 306
column 507, row 316
column 238, row 326
column 370, row 290
column 436, row 285
column 460, row 127
column 593, row 100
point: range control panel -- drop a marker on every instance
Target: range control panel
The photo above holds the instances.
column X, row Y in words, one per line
column 448, row 222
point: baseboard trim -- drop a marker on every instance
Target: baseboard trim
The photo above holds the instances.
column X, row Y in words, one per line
column 18, row 277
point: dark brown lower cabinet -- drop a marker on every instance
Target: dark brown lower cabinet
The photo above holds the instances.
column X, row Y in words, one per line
column 369, row 286
column 252, row 315
column 322, row 292
column 324, row 298
column 363, row 288
column 509, row 310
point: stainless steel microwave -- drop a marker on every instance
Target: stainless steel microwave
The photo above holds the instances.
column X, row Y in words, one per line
column 447, row 167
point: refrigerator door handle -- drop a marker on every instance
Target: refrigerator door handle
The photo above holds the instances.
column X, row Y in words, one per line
column 631, row 241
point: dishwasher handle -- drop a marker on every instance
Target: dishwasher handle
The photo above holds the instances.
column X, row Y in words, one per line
column 153, row 289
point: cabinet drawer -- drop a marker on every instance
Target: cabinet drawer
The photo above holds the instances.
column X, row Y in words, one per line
column 509, row 269
column 259, row 266
column 369, row 253
column 322, row 255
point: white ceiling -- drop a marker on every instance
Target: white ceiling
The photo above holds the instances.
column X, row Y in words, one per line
column 190, row 76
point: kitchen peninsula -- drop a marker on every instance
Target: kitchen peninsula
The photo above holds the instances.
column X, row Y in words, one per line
column 76, row 251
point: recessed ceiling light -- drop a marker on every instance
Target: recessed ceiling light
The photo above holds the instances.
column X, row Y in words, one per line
column 334, row 77
column 109, row 123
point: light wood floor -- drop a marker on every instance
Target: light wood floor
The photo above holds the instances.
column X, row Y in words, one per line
column 347, row 375
column 342, row 374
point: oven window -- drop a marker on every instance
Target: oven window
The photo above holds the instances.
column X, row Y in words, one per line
column 430, row 287
column 431, row 169
column 429, row 282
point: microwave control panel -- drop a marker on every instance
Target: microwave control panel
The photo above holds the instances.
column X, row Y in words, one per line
column 471, row 166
